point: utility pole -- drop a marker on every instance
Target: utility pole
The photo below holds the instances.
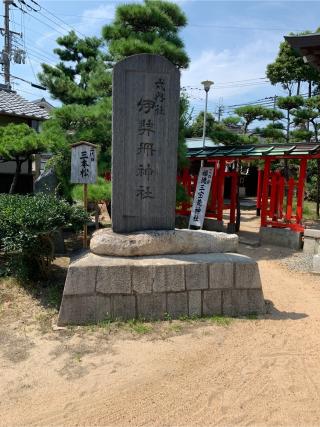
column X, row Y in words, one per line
column 7, row 44
column 220, row 109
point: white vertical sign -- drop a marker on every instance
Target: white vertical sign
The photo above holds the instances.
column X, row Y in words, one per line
column 201, row 196
column 83, row 163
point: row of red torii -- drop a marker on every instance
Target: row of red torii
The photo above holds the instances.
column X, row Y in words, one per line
column 279, row 199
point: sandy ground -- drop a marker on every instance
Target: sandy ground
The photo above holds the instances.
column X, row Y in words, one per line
column 256, row 372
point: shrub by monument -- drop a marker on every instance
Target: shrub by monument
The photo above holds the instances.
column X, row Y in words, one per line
column 97, row 193
column 27, row 225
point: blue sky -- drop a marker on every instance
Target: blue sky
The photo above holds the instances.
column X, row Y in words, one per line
column 229, row 42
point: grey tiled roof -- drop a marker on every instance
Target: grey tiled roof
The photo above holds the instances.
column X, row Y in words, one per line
column 12, row 104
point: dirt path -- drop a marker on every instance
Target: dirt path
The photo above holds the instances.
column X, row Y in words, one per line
column 251, row 372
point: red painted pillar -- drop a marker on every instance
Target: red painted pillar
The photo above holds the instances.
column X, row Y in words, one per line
column 259, row 190
column 233, row 196
column 289, row 199
column 280, row 197
column 265, row 192
column 300, row 195
column 222, row 165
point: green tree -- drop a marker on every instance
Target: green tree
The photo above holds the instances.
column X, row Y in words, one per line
column 73, row 123
column 272, row 132
column 82, row 76
column 251, row 113
column 18, row 142
column 149, row 27
column 196, row 128
column 289, row 104
column 289, row 70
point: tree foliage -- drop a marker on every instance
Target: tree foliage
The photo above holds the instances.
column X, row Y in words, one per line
column 27, row 226
column 18, row 142
column 73, row 123
column 82, row 75
column 149, row 27
column 289, row 69
column 196, row 128
column 250, row 113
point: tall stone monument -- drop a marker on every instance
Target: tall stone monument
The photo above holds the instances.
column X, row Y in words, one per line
column 146, row 90
column 143, row 267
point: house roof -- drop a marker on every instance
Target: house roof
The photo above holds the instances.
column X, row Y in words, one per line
column 307, row 46
column 256, row 151
column 44, row 104
column 12, row 104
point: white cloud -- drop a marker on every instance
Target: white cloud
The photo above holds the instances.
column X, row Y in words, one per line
column 94, row 18
column 229, row 65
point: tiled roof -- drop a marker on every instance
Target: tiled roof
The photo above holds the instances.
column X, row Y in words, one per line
column 12, row 104
column 252, row 151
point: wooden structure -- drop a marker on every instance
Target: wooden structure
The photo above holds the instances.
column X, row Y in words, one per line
column 308, row 46
column 279, row 200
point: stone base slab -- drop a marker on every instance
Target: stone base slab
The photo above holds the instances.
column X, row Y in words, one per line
column 161, row 242
column 154, row 287
column 283, row 237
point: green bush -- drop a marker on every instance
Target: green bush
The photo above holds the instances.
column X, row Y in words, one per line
column 101, row 191
column 27, row 224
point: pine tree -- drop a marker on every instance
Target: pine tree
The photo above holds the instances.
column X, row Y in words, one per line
column 149, row 27
column 82, row 75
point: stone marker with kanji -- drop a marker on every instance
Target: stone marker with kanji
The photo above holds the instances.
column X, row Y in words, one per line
column 143, row 267
column 146, row 90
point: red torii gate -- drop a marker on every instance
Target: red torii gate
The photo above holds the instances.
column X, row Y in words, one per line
column 279, row 200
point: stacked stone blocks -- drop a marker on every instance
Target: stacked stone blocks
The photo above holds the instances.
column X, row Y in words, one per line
column 154, row 287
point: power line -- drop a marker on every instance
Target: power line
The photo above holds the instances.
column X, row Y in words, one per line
column 59, row 19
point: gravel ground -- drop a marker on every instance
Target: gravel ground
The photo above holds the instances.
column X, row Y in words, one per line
column 298, row 261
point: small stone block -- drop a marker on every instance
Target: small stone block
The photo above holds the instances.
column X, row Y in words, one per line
column 142, row 279
column 221, row 275
column 312, row 232
column 103, row 308
column 194, row 303
column 247, row 275
column 151, row 306
column 211, row 302
column 316, row 263
column 114, row 280
column 80, row 281
column 177, row 304
column 77, row 310
column 169, row 278
column 309, row 245
column 196, row 276
column 123, row 307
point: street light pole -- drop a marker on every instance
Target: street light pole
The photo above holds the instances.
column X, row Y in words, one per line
column 206, row 86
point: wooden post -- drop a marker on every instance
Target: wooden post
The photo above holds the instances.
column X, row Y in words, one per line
column 85, row 205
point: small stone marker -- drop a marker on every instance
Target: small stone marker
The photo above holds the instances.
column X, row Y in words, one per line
column 146, row 92
column 201, row 196
column 83, row 163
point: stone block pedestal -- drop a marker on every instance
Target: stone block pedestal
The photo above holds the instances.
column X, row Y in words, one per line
column 151, row 287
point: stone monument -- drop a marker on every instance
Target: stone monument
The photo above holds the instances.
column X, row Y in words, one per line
column 143, row 267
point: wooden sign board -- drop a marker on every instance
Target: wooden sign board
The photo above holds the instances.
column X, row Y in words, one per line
column 83, row 163
column 146, row 92
column 201, row 196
